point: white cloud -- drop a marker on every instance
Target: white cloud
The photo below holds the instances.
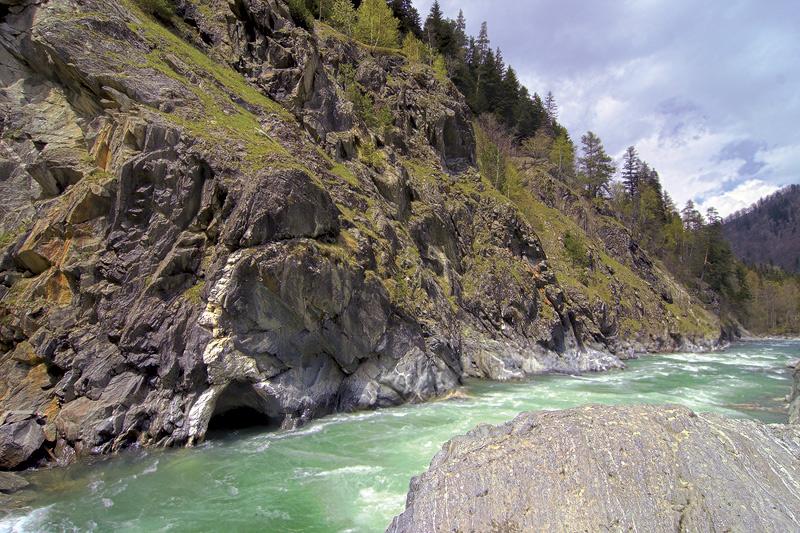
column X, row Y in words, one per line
column 742, row 196
column 706, row 92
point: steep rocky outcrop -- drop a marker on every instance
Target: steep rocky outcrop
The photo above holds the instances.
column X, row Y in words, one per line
column 197, row 222
column 615, row 468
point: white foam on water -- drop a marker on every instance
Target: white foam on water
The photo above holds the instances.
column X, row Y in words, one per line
column 232, row 490
column 692, row 357
column 257, row 445
column 273, row 514
column 347, row 470
column 106, row 502
column 319, row 425
column 30, row 522
column 150, row 469
column 379, row 503
column 118, row 488
column 302, row 473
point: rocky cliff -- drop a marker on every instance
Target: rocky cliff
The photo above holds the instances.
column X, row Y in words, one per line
column 198, row 224
column 611, row 468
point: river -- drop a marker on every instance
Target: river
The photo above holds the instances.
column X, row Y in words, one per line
column 350, row 472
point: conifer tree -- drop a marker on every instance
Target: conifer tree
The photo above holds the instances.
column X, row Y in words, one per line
column 509, row 96
column 550, row 107
column 596, row 168
column 482, row 44
column 408, row 17
column 630, row 171
column 460, row 34
column 439, row 32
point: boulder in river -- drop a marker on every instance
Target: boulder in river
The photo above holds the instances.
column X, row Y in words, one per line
column 611, row 468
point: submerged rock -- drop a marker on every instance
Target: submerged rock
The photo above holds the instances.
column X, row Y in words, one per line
column 10, row 482
column 611, row 468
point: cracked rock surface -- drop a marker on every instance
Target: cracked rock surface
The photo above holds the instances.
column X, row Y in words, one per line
column 611, row 468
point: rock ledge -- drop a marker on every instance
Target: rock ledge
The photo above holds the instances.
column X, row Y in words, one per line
column 611, row 468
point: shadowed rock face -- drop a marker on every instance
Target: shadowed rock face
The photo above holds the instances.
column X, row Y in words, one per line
column 188, row 233
column 615, row 468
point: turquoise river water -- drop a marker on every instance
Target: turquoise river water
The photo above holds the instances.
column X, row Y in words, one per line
column 350, row 472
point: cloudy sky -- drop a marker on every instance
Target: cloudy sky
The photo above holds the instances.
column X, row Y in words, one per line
column 707, row 91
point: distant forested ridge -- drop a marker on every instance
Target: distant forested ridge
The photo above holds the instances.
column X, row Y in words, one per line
column 767, row 233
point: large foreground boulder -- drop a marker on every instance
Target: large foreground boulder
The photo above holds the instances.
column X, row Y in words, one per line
column 618, row 468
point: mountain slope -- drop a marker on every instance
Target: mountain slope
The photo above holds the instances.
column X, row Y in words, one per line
column 767, row 232
column 201, row 227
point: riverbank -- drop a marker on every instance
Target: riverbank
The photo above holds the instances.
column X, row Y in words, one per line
column 352, row 471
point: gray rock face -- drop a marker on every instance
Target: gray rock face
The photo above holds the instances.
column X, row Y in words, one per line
column 21, row 435
column 619, row 468
column 190, row 233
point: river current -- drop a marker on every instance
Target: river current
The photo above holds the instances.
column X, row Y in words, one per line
column 350, row 472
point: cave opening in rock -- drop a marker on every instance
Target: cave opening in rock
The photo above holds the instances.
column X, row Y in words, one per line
column 239, row 418
column 240, row 406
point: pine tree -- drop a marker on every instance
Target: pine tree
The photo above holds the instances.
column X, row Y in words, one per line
column 551, row 108
column 596, row 168
column 528, row 116
column 509, row 97
column 438, row 31
column 489, row 83
column 460, row 34
column 630, row 171
column 482, row 44
column 408, row 16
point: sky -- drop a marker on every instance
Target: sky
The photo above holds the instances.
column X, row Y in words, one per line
column 708, row 92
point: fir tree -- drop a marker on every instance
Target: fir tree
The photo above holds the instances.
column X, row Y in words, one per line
column 408, row 17
column 630, row 171
column 596, row 168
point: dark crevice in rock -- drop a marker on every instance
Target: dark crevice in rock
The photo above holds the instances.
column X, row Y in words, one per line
column 239, row 418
